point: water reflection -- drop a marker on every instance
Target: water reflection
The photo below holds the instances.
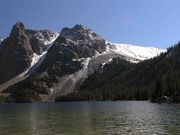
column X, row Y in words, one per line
column 90, row 118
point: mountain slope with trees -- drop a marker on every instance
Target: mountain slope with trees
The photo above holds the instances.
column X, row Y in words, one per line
column 157, row 79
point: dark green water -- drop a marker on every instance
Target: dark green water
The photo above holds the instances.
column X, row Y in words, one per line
column 90, row 118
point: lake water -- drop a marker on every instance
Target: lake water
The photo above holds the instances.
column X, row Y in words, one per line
column 90, row 118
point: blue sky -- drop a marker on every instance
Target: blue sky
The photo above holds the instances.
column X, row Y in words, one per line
column 140, row 22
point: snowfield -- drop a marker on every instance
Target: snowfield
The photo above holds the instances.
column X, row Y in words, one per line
column 136, row 52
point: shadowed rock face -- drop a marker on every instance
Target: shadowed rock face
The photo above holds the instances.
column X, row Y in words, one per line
column 15, row 53
column 37, row 45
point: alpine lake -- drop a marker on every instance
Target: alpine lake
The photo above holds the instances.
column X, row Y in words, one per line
column 90, row 118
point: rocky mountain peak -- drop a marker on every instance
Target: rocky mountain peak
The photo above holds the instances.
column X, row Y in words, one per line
column 17, row 30
column 65, row 31
column 19, row 40
column 80, row 33
column 19, row 25
column 15, row 53
column 80, row 27
column 73, row 43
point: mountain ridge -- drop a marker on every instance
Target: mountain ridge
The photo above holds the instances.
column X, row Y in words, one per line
column 71, row 55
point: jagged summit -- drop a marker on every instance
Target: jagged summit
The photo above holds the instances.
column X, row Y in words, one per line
column 17, row 29
column 80, row 33
column 79, row 26
column 15, row 53
column 18, row 41
column 19, row 25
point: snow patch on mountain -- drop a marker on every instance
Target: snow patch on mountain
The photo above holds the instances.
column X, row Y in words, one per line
column 94, row 36
column 51, row 40
column 0, row 43
column 35, row 59
column 137, row 52
column 107, row 62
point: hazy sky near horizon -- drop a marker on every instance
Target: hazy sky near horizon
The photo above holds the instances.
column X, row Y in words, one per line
column 140, row 22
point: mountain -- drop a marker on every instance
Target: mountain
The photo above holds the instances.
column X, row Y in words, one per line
column 60, row 63
column 156, row 79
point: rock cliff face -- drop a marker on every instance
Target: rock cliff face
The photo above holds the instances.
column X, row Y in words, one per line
column 15, row 53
